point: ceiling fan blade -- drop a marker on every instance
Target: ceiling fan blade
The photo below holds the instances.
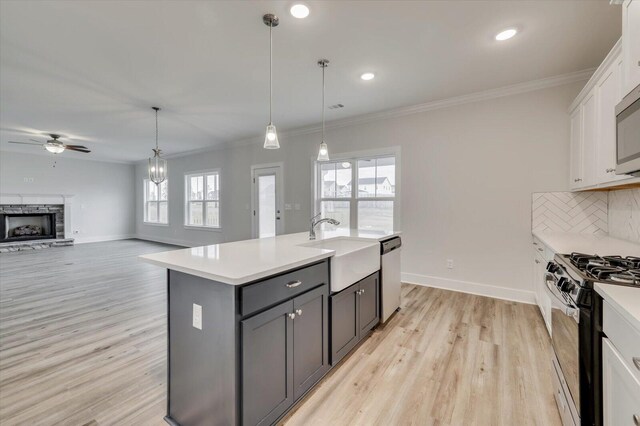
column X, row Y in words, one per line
column 36, row 141
column 78, row 148
column 27, row 143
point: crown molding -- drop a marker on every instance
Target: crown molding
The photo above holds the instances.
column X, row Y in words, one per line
column 514, row 89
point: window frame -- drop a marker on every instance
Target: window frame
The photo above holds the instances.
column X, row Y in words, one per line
column 145, row 203
column 204, row 201
column 354, row 200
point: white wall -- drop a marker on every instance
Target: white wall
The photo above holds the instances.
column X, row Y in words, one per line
column 103, row 194
column 468, row 173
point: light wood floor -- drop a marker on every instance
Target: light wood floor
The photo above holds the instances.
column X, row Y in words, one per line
column 83, row 341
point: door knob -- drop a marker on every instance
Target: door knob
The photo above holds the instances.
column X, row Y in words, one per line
column 299, row 312
column 291, row 315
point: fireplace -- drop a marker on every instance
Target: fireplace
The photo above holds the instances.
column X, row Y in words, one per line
column 27, row 226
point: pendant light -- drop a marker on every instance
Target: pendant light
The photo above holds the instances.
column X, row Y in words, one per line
column 271, row 137
column 323, row 152
column 157, row 165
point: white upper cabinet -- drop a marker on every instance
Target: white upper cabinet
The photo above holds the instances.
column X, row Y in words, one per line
column 608, row 92
column 575, row 171
column 593, row 127
column 630, row 45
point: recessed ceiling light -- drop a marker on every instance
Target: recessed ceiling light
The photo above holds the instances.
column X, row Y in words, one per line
column 506, row 34
column 299, row 11
column 367, row 76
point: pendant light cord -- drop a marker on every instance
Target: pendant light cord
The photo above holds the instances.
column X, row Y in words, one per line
column 323, row 67
column 270, row 71
column 156, row 129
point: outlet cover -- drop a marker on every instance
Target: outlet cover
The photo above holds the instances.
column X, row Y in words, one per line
column 197, row 316
column 449, row 263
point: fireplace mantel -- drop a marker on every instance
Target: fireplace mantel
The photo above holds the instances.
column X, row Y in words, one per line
column 64, row 199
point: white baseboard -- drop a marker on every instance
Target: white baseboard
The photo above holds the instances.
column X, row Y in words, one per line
column 101, row 238
column 487, row 290
column 173, row 241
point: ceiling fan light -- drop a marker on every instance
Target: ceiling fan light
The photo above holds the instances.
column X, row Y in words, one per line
column 271, row 138
column 54, row 148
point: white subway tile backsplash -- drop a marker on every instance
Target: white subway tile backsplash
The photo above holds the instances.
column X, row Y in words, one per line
column 624, row 214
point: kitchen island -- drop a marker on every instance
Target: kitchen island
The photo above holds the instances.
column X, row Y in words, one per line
column 254, row 325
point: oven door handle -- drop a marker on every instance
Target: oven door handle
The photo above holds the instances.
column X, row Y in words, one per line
column 568, row 308
column 550, row 282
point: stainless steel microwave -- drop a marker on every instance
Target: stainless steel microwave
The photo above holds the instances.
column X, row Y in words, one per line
column 628, row 134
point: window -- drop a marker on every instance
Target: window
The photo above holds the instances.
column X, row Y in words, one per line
column 368, row 205
column 156, row 202
column 203, row 199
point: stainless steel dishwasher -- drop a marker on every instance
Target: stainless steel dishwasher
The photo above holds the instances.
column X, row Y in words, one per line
column 390, row 264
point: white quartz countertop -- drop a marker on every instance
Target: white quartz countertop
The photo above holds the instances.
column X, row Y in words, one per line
column 566, row 243
column 245, row 261
column 625, row 300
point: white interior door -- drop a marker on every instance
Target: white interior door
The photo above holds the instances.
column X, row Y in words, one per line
column 267, row 201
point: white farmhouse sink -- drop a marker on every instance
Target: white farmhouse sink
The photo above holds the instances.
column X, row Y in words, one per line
column 353, row 260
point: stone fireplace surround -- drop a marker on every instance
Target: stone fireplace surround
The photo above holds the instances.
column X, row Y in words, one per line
column 58, row 205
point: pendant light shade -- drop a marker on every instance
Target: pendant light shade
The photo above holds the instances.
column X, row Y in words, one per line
column 323, row 152
column 271, row 138
column 157, row 164
column 271, row 135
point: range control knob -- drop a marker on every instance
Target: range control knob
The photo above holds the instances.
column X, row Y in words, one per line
column 567, row 286
column 553, row 267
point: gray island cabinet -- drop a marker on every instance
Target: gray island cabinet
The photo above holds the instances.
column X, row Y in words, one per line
column 245, row 354
column 260, row 346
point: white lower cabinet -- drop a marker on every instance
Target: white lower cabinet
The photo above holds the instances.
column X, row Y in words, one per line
column 540, row 260
column 620, row 387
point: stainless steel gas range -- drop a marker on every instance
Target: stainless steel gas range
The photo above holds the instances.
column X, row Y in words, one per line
column 576, row 329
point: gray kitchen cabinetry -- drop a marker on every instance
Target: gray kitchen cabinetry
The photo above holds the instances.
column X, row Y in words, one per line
column 354, row 312
column 284, row 353
column 259, row 348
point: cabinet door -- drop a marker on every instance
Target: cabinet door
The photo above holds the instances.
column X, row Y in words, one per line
column 267, row 365
column 310, row 339
column 630, row 44
column 621, row 390
column 344, row 322
column 575, row 169
column 589, row 129
column 608, row 95
column 369, row 312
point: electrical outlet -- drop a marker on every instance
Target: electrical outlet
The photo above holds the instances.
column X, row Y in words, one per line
column 197, row 316
column 287, row 206
column 449, row 263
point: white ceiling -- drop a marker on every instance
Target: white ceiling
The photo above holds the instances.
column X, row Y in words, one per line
column 92, row 70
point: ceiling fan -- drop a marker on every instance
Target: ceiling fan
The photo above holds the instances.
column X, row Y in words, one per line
column 55, row 146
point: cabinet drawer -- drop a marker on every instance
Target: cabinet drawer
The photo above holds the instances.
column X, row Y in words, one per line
column 282, row 287
column 546, row 253
column 623, row 336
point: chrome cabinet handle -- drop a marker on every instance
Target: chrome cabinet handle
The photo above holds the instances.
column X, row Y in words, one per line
column 610, row 170
column 299, row 312
column 539, row 249
column 537, row 261
column 636, row 419
column 291, row 315
column 292, row 284
column 636, row 362
column 359, row 292
column 577, row 180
